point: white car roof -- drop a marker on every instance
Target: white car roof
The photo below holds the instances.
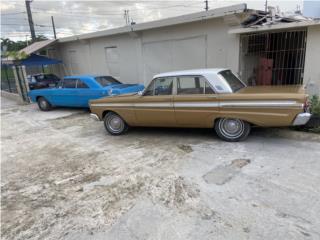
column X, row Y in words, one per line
column 219, row 84
column 204, row 71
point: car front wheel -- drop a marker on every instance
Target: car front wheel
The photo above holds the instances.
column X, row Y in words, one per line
column 232, row 129
column 114, row 124
column 43, row 104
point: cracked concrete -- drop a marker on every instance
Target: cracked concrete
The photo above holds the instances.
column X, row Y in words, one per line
column 63, row 177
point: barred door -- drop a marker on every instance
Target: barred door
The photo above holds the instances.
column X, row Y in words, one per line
column 273, row 58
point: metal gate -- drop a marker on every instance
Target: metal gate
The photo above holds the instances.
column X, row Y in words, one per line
column 273, row 58
column 8, row 82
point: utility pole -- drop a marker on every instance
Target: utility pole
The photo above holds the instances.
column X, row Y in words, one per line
column 266, row 6
column 31, row 25
column 54, row 28
column 126, row 17
column 207, row 5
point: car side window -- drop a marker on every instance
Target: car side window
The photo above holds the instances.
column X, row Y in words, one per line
column 208, row 89
column 39, row 78
column 81, row 84
column 193, row 85
column 150, row 90
column 69, row 83
column 163, row 86
column 190, row 85
column 160, row 86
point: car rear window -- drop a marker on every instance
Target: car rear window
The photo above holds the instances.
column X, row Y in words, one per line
column 69, row 83
column 106, row 80
column 234, row 83
column 51, row 77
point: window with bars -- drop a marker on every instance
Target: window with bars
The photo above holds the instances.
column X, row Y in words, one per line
column 273, row 58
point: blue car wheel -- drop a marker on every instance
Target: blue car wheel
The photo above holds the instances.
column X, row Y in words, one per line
column 43, row 104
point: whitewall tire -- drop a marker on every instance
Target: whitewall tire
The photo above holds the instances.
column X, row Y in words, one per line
column 232, row 129
column 114, row 124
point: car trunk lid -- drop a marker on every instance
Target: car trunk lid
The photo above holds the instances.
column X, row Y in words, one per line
column 272, row 89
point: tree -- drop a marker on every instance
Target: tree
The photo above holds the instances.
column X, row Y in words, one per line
column 18, row 45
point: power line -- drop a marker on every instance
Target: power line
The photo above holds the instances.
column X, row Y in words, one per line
column 12, row 13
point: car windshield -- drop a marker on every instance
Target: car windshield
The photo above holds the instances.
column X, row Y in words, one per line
column 51, row 77
column 106, row 80
column 234, row 83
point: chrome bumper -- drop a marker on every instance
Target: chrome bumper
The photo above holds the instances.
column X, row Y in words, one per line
column 301, row 119
column 94, row 117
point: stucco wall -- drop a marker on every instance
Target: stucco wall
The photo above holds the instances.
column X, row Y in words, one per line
column 312, row 62
column 193, row 45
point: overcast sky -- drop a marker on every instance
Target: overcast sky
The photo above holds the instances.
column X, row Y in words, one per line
column 76, row 17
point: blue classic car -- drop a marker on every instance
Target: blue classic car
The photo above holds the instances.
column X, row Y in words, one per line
column 76, row 91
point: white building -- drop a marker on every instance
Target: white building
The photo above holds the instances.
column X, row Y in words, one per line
column 277, row 53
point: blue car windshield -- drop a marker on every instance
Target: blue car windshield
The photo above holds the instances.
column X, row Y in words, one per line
column 106, row 80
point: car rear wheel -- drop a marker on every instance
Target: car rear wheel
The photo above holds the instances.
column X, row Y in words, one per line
column 232, row 129
column 43, row 104
column 114, row 124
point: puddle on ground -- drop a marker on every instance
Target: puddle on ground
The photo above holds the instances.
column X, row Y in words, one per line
column 223, row 174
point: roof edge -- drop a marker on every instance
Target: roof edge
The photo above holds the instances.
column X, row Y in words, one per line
column 193, row 17
column 277, row 26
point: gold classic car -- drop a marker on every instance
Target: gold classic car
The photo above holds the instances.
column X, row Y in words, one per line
column 204, row 98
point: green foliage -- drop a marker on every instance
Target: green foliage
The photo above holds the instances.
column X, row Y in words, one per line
column 17, row 55
column 18, row 45
column 315, row 105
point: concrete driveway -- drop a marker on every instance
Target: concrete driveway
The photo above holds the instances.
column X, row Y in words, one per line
column 64, row 177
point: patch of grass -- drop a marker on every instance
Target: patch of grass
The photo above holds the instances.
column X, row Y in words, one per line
column 315, row 130
column 315, row 105
column 313, row 124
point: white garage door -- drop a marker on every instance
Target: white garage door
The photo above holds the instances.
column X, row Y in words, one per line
column 173, row 55
column 112, row 60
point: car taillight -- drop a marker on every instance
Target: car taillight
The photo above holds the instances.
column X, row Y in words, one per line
column 306, row 105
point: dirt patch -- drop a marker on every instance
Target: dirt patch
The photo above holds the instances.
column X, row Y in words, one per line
column 185, row 148
column 240, row 163
column 223, row 174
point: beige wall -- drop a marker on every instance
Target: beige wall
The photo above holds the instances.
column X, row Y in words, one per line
column 175, row 46
column 193, row 45
column 312, row 62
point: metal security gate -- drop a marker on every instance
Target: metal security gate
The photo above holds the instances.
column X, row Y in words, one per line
column 273, row 58
column 8, row 82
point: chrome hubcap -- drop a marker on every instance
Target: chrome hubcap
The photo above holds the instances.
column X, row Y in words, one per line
column 115, row 124
column 231, row 128
column 43, row 104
